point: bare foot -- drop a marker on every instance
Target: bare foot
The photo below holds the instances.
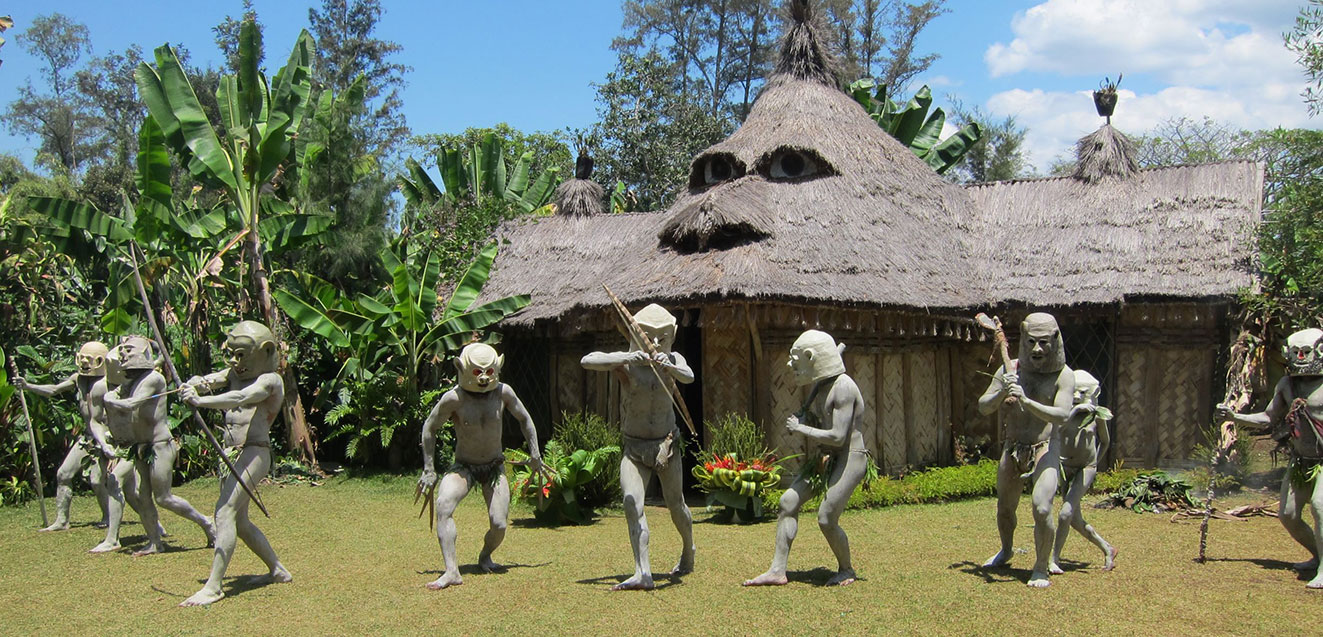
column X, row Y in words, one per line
column 843, row 578
column 686, row 564
column 768, row 579
column 1055, row 569
column 1000, row 559
column 104, row 547
column 642, row 582
column 101, row 525
column 161, row 530
column 446, row 580
column 487, row 565
column 1111, row 558
column 279, row 575
column 1315, row 583
column 1039, row 580
column 150, row 549
column 58, row 526
column 1307, row 565
column 203, row 598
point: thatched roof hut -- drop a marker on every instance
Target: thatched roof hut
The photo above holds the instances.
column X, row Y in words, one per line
column 810, row 215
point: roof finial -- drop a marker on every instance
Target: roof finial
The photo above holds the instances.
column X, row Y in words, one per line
column 802, row 54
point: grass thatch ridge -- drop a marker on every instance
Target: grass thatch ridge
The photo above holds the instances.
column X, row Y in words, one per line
column 579, row 198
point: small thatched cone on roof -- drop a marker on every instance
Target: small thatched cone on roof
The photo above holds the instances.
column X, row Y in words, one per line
column 803, row 54
column 1106, row 152
column 580, row 196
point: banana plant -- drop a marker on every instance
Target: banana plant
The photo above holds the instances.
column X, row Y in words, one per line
column 246, row 158
column 912, row 126
column 397, row 330
column 477, row 173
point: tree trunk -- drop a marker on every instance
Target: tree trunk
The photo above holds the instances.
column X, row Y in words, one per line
column 297, row 435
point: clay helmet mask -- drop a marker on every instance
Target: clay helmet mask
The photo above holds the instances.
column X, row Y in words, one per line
column 250, row 350
column 815, row 356
column 1304, row 353
column 479, row 367
column 91, row 358
column 1086, row 388
column 114, row 367
column 136, row 352
column 1041, row 348
column 659, row 325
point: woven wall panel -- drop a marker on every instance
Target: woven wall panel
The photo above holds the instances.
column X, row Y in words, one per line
column 787, row 398
column 973, row 367
column 921, row 415
column 726, row 360
column 570, row 377
column 863, row 369
column 891, row 413
column 1180, row 409
column 1132, row 414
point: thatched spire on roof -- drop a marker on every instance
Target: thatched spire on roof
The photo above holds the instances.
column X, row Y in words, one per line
column 804, row 54
column 580, row 196
column 1106, row 152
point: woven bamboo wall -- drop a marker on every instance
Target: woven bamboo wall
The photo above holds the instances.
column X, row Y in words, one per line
column 892, row 438
column 569, row 387
column 726, row 365
column 1166, row 356
column 786, row 399
column 862, row 367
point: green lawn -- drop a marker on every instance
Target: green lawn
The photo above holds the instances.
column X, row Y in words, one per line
column 360, row 558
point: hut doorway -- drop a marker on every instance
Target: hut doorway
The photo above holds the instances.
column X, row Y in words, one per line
column 689, row 344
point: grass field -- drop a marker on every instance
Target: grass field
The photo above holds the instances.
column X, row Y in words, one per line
column 360, row 559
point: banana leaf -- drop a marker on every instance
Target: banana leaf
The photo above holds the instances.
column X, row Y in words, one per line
column 310, row 318
column 471, row 284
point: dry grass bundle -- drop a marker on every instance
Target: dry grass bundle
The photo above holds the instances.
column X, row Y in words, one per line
column 1106, row 152
column 579, row 198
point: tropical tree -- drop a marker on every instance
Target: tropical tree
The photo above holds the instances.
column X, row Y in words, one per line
column 393, row 338
column 256, row 150
column 912, row 125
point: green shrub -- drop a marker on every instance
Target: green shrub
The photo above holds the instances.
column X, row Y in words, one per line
column 591, row 432
column 1155, row 491
column 1114, row 480
column 938, row 484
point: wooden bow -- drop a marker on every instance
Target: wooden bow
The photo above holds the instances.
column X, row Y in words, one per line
column 641, row 341
column 32, row 446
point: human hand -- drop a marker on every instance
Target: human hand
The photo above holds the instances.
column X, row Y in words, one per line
column 196, row 381
column 1083, row 408
column 637, row 356
column 793, row 425
column 1223, row 412
column 1014, row 390
column 20, row 382
column 427, row 481
column 189, row 393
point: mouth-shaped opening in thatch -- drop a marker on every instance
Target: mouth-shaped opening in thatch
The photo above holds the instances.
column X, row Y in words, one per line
column 727, row 216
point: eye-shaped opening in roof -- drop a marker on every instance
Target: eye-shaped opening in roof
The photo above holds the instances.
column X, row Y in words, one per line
column 788, row 163
column 710, row 169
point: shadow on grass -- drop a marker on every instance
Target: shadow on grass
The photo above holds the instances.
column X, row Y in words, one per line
column 233, row 586
column 659, row 581
column 474, row 569
column 534, row 523
column 996, row 574
column 1269, row 565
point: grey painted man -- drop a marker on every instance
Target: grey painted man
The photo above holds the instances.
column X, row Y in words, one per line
column 1294, row 418
column 652, row 439
column 138, row 406
column 1043, row 388
column 250, row 391
column 832, row 421
column 1084, row 440
column 121, row 476
column 91, row 361
column 475, row 407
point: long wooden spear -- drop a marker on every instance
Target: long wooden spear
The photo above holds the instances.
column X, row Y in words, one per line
column 174, row 376
column 32, row 446
column 641, row 340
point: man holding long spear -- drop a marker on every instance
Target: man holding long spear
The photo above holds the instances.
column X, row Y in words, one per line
column 91, row 361
column 1294, row 418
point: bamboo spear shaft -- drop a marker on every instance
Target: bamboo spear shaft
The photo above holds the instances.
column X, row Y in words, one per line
column 174, row 376
column 32, row 446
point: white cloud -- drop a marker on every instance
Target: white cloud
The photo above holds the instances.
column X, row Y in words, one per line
column 1222, row 59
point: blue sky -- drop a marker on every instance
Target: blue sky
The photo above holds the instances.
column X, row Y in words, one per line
column 531, row 63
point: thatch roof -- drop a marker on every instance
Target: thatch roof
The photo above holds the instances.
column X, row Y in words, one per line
column 1183, row 232
column 810, row 201
column 859, row 220
column 1103, row 153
